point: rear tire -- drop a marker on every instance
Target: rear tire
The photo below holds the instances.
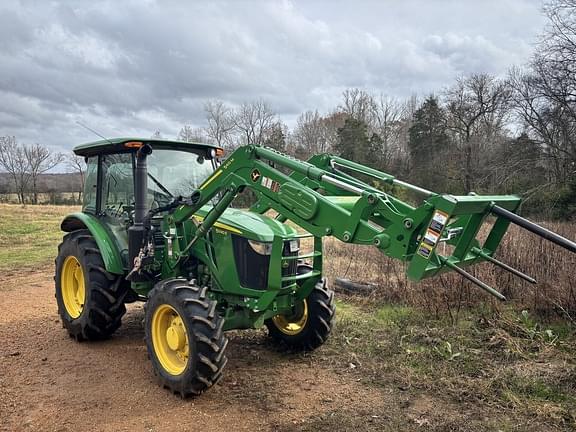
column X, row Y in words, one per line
column 312, row 321
column 184, row 337
column 90, row 299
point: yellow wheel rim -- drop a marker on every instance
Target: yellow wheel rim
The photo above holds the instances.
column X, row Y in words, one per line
column 72, row 286
column 170, row 339
column 294, row 324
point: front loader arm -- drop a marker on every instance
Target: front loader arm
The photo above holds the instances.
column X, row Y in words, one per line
column 248, row 167
column 323, row 199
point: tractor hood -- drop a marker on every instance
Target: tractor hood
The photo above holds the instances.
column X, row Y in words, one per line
column 248, row 224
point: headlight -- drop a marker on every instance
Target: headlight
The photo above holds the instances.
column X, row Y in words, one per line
column 261, row 248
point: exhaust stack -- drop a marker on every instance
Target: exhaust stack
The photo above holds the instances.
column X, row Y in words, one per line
column 137, row 232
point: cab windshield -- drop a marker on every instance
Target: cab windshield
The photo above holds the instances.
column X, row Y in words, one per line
column 175, row 172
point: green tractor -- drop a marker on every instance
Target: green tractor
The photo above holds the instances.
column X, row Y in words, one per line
column 157, row 225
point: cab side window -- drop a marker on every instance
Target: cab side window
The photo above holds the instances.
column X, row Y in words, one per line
column 89, row 195
column 117, row 184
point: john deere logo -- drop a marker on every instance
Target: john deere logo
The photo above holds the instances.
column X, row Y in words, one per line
column 255, row 175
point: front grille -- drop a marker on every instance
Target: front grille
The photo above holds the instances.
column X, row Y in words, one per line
column 253, row 268
column 288, row 266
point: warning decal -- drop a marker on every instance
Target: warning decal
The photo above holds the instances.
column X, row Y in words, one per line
column 440, row 217
column 424, row 250
column 431, row 238
column 433, row 233
column 268, row 183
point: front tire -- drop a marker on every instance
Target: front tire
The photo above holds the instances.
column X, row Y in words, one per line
column 90, row 299
column 184, row 337
column 311, row 322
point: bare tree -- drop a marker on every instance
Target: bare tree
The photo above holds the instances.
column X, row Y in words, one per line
column 309, row 134
column 546, row 122
column 330, row 125
column 545, row 94
column 387, row 123
column 401, row 164
column 254, row 120
column 557, row 48
column 359, row 105
column 13, row 160
column 315, row 134
column 190, row 134
column 387, row 120
column 220, row 122
column 77, row 165
column 476, row 110
column 40, row 159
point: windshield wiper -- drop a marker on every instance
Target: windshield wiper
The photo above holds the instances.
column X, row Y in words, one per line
column 162, row 188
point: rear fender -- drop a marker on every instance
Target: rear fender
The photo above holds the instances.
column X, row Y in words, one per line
column 108, row 248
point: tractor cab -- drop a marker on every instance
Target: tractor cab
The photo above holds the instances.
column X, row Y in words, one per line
column 175, row 168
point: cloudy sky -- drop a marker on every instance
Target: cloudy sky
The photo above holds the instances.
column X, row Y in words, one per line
column 131, row 67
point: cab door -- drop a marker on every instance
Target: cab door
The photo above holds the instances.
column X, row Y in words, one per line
column 117, row 196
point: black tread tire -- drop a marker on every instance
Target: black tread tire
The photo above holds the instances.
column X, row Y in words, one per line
column 205, row 332
column 104, row 305
column 321, row 318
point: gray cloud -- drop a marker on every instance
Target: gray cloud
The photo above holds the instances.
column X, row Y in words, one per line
column 131, row 67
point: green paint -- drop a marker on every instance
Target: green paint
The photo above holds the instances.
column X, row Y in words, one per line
column 107, row 243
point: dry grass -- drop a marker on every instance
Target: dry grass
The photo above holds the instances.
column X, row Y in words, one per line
column 553, row 267
column 43, row 198
column 486, row 365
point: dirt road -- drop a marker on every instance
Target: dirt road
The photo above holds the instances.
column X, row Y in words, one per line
column 50, row 382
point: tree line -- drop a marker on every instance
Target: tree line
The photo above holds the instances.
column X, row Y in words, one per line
column 24, row 165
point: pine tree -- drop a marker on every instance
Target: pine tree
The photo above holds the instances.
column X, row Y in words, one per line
column 429, row 145
column 354, row 143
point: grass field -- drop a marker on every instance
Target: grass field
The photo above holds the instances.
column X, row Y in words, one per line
column 492, row 368
column 29, row 235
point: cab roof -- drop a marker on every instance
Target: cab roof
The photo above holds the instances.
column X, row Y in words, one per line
column 116, row 145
